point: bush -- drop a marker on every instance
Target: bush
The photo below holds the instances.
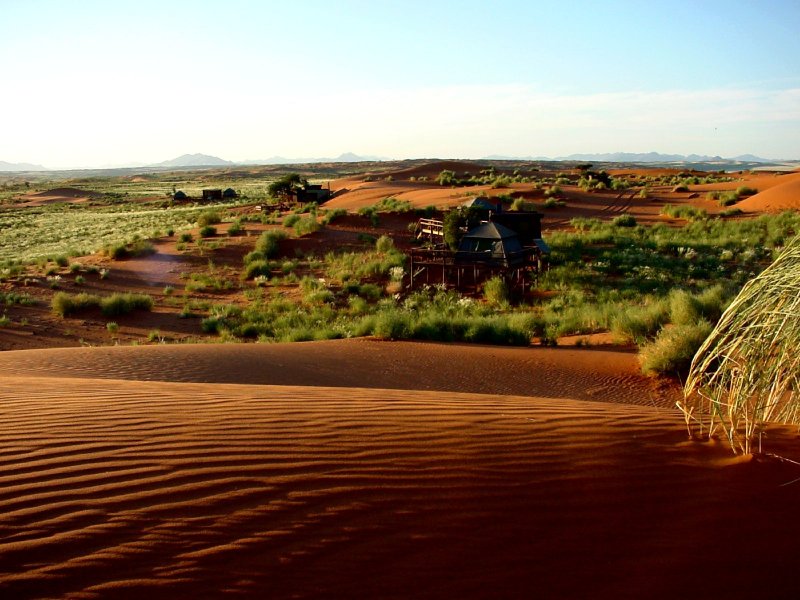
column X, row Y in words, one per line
column 64, row 304
column 129, row 250
column 208, row 231
column 384, row 244
column 290, row 220
column 446, row 178
column 690, row 213
column 495, row 291
column 235, row 228
column 306, row 225
column 745, row 191
column 673, row 349
column 121, row 304
column 257, row 267
column 553, row 203
column 332, row 215
column 185, row 238
column 208, row 217
column 624, row 221
column 267, row 244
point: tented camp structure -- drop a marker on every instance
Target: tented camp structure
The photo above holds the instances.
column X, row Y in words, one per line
column 488, row 250
column 491, row 244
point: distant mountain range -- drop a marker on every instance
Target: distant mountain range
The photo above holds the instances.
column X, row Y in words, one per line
column 7, row 167
column 643, row 157
column 205, row 160
column 194, row 160
column 342, row 158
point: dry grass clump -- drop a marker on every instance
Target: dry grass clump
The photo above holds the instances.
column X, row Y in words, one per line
column 65, row 304
column 747, row 371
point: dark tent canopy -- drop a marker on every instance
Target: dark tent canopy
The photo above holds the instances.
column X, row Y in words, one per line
column 491, row 243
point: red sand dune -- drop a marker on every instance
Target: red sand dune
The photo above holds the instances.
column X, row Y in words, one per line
column 784, row 195
column 156, row 489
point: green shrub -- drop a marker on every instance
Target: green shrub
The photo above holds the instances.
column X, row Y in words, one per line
column 208, row 231
column 64, row 304
column 112, row 327
column 332, row 215
column 252, row 256
column 672, row 351
column 290, row 220
column 392, row 325
column 124, row 303
column 384, row 244
column 446, row 177
column 690, row 213
column 495, row 291
column 268, row 242
column 129, row 250
column 624, row 221
column 306, row 225
column 255, row 268
column 553, row 203
column 208, row 217
column 745, row 191
column 185, row 238
column 235, row 228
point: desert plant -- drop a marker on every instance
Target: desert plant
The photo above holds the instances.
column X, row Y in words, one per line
column 123, row 303
column 207, row 231
column 672, row 350
column 446, row 177
column 267, row 244
column 64, row 304
column 624, row 221
column 235, row 228
column 306, row 225
column 746, row 373
column 495, row 291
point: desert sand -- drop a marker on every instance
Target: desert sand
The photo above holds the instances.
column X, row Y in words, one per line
column 783, row 194
column 270, row 471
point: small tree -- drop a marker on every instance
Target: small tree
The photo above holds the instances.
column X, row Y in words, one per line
column 456, row 221
column 446, row 178
column 286, row 186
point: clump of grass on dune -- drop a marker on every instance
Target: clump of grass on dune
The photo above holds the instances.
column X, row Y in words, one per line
column 745, row 374
column 673, row 348
column 124, row 303
column 64, row 304
column 132, row 249
column 268, row 242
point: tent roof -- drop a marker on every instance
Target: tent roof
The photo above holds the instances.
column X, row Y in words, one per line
column 491, row 231
column 480, row 202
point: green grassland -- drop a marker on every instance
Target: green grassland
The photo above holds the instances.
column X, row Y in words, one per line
column 659, row 287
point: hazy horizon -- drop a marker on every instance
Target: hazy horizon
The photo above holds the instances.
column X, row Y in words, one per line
column 102, row 84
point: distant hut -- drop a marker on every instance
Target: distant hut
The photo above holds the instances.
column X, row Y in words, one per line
column 180, row 195
column 209, row 195
column 482, row 203
column 229, row 193
column 492, row 244
column 313, row 193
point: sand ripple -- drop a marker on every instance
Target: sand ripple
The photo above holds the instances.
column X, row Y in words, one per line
column 599, row 375
column 181, row 490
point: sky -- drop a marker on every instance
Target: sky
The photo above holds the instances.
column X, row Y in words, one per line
column 98, row 83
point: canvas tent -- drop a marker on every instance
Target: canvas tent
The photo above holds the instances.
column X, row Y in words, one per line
column 493, row 244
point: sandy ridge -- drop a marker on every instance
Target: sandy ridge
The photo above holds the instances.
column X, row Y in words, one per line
column 170, row 490
column 605, row 375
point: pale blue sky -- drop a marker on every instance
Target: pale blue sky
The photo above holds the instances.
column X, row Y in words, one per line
column 88, row 83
